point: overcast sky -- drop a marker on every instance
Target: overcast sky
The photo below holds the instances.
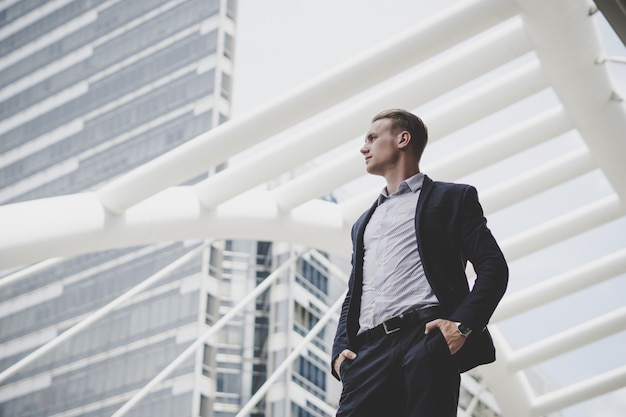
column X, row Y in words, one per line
column 283, row 43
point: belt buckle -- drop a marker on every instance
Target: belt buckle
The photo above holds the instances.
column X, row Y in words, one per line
column 387, row 329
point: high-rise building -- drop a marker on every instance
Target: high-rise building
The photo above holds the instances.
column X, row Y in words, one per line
column 90, row 89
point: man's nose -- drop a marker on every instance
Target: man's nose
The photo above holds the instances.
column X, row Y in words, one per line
column 364, row 149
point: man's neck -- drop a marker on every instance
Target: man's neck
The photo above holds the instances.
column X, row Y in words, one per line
column 393, row 181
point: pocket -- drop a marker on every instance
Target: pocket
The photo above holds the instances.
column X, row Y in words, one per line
column 345, row 365
column 440, row 344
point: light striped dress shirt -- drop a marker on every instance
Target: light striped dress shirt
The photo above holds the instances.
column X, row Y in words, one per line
column 393, row 275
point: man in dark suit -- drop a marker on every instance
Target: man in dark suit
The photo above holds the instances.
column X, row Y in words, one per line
column 410, row 324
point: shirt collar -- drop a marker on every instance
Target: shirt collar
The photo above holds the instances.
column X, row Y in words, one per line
column 413, row 184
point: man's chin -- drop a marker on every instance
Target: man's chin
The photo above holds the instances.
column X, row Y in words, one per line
column 371, row 169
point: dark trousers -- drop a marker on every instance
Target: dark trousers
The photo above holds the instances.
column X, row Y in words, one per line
column 403, row 374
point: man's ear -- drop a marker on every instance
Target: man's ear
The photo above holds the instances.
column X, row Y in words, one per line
column 404, row 139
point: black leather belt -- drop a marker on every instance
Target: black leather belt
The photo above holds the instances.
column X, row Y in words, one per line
column 392, row 325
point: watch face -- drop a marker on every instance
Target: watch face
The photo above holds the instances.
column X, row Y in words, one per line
column 464, row 330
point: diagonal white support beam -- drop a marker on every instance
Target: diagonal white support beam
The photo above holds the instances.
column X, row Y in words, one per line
column 568, row 51
column 506, row 193
column 175, row 214
column 29, row 270
column 457, row 114
column 563, row 227
column 562, row 285
column 568, row 340
column 319, row 181
column 98, row 314
column 499, row 47
column 512, row 390
column 293, row 355
column 579, row 392
column 485, row 100
column 500, row 146
column 427, row 39
column 199, row 342
column 537, row 180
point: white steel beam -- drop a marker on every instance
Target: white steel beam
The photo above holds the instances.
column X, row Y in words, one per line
column 82, row 225
column 458, row 113
column 29, row 270
column 579, row 392
column 563, row 227
column 486, row 99
column 566, row 40
column 78, row 224
column 536, row 180
column 562, row 285
column 496, row 49
column 98, row 314
column 500, row 146
column 201, row 340
column 293, row 355
column 509, row 192
column 512, row 390
column 387, row 59
column 568, row 340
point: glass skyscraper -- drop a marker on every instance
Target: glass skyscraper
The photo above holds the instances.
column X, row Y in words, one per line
column 90, row 89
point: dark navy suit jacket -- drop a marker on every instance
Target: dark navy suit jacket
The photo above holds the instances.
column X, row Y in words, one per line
column 451, row 230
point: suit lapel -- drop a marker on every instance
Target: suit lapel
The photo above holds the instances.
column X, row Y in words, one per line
column 421, row 202
column 361, row 227
column 357, row 285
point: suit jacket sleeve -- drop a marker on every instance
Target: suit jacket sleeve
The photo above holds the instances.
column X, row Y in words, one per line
column 341, row 336
column 480, row 248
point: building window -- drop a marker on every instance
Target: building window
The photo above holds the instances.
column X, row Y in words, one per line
column 208, row 361
column 226, row 86
column 315, row 274
column 205, row 406
column 229, row 382
column 281, row 310
column 229, row 43
column 230, row 9
column 312, row 373
column 211, row 310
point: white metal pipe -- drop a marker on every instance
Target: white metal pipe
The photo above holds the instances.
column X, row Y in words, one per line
column 562, row 285
column 506, row 193
column 427, row 39
column 576, row 393
column 537, row 180
column 175, row 214
column 486, row 99
column 497, row 48
column 29, row 270
column 455, row 115
column 319, row 180
column 568, row 340
column 563, row 227
column 512, row 390
column 98, row 314
column 191, row 349
column 500, row 146
column 568, row 51
column 293, row 355
column 172, row 215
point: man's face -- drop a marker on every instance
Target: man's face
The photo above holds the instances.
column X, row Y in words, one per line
column 380, row 148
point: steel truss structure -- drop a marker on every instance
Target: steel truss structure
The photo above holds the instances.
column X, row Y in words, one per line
column 543, row 45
